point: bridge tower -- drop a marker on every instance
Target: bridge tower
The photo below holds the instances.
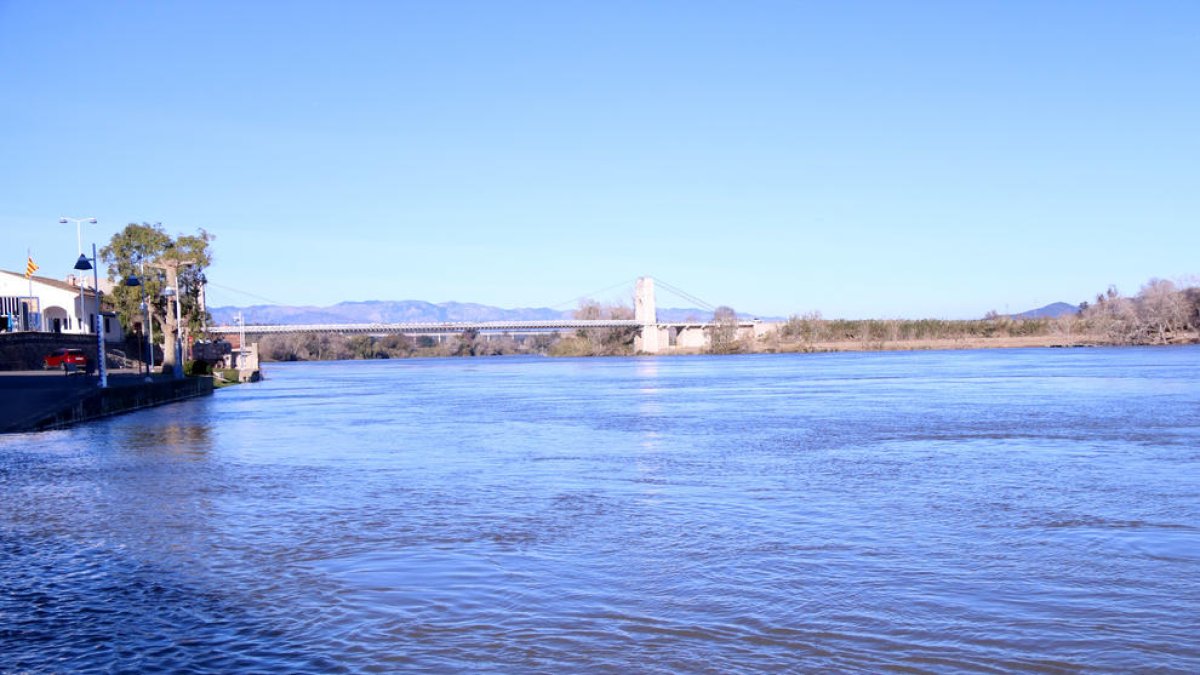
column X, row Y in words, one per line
column 645, row 313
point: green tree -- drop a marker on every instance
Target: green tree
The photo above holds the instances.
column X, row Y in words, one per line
column 125, row 255
column 194, row 256
column 159, row 261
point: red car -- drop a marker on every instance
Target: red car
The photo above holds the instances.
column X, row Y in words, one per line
column 58, row 357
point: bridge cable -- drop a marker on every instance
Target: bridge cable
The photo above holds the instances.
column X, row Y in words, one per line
column 247, row 293
column 589, row 296
column 685, row 295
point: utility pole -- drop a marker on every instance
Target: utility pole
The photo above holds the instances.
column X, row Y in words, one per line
column 172, row 345
column 241, row 359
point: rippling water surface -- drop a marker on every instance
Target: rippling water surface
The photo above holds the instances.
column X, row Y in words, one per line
column 987, row 511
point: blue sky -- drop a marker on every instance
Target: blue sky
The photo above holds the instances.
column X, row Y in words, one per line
column 891, row 159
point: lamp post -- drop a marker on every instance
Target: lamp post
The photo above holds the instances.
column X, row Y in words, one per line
column 78, row 232
column 83, row 264
column 241, row 359
column 79, row 244
column 146, row 306
column 149, row 327
column 133, row 280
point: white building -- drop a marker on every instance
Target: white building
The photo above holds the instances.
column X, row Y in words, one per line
column 49, row 306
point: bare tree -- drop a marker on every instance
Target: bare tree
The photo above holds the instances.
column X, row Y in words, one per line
column 723, row 331
column 1191, row 297
column 1156, row 315
column 1161, row 310
column 1114, row 317
column 1066, row 326
column 807, row 329
column 602, row 341
column 468, row 343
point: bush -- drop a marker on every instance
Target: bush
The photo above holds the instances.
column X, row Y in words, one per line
column 195, row 368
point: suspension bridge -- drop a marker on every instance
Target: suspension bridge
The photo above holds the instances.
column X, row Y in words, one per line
column 653, row 336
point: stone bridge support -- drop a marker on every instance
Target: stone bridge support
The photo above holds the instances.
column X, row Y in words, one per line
column 651, row 339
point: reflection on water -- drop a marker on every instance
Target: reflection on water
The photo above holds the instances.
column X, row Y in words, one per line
column 1008, row 510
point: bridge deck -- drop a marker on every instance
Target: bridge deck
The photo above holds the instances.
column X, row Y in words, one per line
column 454, row 327
column 419, row 328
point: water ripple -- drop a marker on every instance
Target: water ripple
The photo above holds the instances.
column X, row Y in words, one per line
column 1033, row 510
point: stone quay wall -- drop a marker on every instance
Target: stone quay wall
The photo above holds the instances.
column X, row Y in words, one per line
column 97, row 403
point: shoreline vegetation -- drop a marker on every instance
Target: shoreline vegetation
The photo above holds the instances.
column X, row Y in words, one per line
column 1162, row 313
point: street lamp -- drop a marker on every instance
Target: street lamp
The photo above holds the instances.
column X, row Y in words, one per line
column 83, row 264
column 133, row 280
column 78, row 234
column 171, row 292
column 79, row 244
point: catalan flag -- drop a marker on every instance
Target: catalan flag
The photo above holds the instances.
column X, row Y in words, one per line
column 30, row 268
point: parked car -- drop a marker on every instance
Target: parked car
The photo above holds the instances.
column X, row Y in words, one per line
column 61, row 356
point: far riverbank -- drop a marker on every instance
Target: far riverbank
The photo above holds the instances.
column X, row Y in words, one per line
column 783, row 338
column 938, row 344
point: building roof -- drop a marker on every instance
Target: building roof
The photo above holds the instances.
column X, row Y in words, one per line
column 54, row 283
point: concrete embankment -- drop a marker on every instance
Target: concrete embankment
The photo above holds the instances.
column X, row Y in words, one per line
column 36, row 402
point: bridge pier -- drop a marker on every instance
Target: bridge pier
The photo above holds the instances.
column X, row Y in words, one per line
column 651, row 339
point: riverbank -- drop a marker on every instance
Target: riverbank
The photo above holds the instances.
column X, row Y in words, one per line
column 956, row 343
column 1005, row 342
column 35, row 401
column 801, row 333
column 773, row 343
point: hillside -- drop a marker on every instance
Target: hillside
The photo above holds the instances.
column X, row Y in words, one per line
column 1051, row 311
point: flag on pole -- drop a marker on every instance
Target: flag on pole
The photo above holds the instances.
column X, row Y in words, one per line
column 30, row 268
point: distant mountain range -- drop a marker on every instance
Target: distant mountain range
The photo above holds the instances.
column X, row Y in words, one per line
column 1051, row 311
column 417, row 311
column 412, row 311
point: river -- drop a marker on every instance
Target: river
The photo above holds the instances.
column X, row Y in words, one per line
column 982, row 511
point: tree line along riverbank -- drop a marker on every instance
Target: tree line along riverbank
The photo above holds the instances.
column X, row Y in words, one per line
column 1161, row 313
